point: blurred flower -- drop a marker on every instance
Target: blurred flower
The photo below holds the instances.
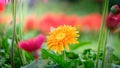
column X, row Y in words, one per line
column 61, row 37
column 55, row 20
column 63, row 19
column 30, row 23
column 2, row 7
column 3, row 1
column 32, row 45
column 91, row 22
column 48, row 20
column 5, row 18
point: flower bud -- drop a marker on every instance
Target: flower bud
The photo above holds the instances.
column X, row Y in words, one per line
column 115, row 9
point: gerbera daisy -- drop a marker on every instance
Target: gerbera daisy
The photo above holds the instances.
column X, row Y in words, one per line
column 59, row 39
column 32, row 45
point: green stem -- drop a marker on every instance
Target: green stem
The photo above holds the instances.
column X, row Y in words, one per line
column 21, row 19
column 14, row 30
column 19, row 52
column 105, row 10
column 105, row 43
column 64, row 55
column 21, row 32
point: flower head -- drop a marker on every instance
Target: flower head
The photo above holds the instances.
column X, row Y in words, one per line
column 113, row 19
column 112, row 22
column 32, row 45
column 61, row 37
column 30, row 23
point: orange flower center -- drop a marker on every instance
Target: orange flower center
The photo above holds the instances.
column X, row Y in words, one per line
column 60, row 36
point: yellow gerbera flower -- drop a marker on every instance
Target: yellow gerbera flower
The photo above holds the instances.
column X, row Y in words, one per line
column 61, row 37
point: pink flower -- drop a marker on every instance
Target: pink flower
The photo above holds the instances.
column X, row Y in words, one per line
column 3, row 1
column 32, row 45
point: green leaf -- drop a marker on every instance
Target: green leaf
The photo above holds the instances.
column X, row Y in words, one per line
column 72, row 55
column 89, row 54
column 89, row 64
column 76, row 46
column 75, row 63
column 57, row 58
column 5, row 44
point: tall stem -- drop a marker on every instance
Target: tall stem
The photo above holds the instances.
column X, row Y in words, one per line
column 14, row 30
column 105, row 10
column 21, row 19
column 19, row 52
column 23, row 61
column 105, row 43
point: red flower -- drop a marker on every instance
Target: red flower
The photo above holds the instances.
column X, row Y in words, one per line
column 52, row 20
column 30, row 23
column 112, row 22
column 91, row 22
column 2, row 7
column 113, row 19
column 46, row 22
column 32, row 45
column 63, row 19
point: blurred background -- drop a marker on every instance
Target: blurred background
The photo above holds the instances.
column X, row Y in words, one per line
column 40, row 16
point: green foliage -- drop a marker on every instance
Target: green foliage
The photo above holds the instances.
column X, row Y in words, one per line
column 56, row 58
column 89, row 64
column 72, row 55
column 89, row 54
column 76, row 46
column 72, row 60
